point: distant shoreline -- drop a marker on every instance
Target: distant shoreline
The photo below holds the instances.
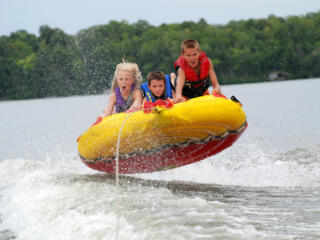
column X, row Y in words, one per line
column 246, row 51
column 107, row 91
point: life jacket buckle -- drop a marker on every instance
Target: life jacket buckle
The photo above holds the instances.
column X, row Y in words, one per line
column 188, row 84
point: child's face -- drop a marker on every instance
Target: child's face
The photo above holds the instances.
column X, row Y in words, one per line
column 157, row 87
column 125, row 80
column 191, row 55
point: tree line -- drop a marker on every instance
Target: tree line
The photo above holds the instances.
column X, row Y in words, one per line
column 57, row 64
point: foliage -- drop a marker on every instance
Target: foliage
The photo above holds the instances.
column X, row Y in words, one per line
column 58, row 64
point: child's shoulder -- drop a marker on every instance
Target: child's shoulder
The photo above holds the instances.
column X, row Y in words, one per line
column 112, row 95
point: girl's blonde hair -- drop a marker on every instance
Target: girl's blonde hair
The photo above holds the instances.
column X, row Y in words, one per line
column 130, row 67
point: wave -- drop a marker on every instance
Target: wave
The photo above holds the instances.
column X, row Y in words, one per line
column 43, row 200
column 62, row 198
column 249, row 165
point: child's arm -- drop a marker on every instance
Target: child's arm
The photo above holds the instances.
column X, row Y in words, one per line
column 214, row 79
column 172, row 79
column 173, row 94
column 137, row 100
column 144, row 100
column 180, row 82
column 109, row 108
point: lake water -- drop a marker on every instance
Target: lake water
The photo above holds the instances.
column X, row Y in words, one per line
column 266, row 186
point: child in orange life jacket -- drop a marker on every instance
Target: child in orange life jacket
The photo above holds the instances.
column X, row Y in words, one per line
column 158, row 86
column 125, row 93
column 195, row 70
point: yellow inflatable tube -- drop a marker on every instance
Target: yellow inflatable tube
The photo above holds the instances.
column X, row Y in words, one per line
column 193, row 120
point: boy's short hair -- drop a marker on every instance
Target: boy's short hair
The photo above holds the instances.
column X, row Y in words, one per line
column 158, row 75
column 189, row 43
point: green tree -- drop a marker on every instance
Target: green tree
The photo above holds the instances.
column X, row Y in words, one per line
column 57, row 64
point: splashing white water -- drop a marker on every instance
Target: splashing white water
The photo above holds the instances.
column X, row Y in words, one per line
column 248, row 165
column 54, row 198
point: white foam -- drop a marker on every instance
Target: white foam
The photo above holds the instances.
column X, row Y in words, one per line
column 63, row 199
column 46, row 200
column 247, row 165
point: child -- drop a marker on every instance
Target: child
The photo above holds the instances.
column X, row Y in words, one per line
column 158, row 86
column 194, row 72
column 125, row 93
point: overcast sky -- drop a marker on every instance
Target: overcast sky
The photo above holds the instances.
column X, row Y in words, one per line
column 74, row 15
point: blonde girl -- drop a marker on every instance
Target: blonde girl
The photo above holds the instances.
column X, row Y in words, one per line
column 125, row 89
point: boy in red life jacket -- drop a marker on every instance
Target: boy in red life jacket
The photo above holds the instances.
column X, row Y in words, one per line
column 195, row 70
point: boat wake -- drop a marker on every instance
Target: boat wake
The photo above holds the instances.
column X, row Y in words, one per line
column 251, row 166
column 38, row 194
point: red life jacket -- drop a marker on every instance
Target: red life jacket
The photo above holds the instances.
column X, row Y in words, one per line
column 189, row 72
column 195, row 85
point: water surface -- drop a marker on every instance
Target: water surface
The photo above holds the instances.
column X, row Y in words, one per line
column 266, row 186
